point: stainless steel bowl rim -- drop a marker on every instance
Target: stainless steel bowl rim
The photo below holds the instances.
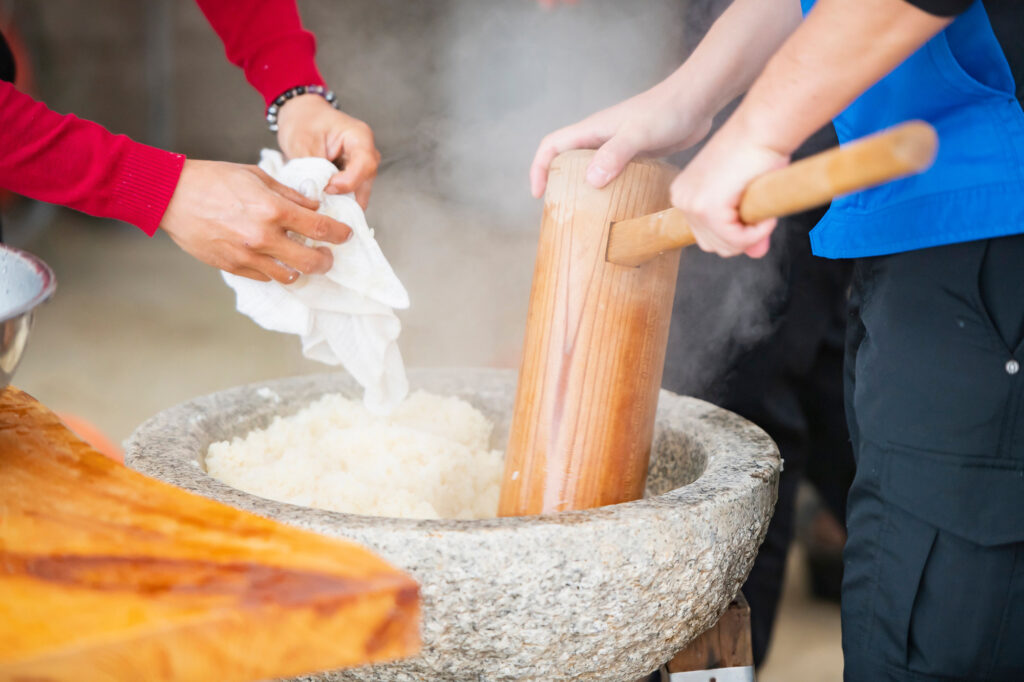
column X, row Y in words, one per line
column 45, row 292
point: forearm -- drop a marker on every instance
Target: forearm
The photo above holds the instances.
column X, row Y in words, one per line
column 266, row 39
column 733, row 53
column 65, row 160
column 840, row 50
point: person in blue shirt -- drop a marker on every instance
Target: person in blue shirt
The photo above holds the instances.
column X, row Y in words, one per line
column 934, row 563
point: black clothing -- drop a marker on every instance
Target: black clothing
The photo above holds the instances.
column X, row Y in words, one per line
column 791, row 386
column 942, row 8
column 934, row 583
column 1007, row 19
column 789, row 382
column 940, row 387
column 7, row 70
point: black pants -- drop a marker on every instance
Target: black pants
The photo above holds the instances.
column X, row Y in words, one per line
column 789, row 383
column 934, row 564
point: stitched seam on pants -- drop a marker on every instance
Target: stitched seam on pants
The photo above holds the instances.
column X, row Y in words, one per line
column 922, row 677
column 1000, row 345
column 1009, row 426
column 965, row 460
column 886, row 526
column 978, row 302
column 917, row 592
column 1000, row 637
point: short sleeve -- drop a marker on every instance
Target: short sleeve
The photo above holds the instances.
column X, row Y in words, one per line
column 942, row 8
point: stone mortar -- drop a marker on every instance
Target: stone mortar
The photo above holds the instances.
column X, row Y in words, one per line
column 602, row 594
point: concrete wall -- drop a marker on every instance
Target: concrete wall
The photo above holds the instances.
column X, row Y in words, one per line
column 458, row 92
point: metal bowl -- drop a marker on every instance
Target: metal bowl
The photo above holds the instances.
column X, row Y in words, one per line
column 25, row 282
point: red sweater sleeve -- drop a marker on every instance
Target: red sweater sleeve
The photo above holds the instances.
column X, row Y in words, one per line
column 266, row 39
column 65, row 160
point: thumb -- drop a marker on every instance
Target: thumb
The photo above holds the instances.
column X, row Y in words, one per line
column 610, row 159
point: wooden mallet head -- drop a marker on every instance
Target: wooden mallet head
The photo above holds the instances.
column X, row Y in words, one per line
column 600, row 306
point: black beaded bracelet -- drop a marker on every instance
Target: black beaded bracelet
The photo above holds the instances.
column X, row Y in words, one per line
column 279, row 101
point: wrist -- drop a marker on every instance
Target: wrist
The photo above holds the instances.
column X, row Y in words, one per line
column 144, row 184
column 289, row 96
column 692, row 95
column 301, row 107
column 755, row 124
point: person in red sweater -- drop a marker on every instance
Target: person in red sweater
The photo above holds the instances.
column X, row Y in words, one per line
column 231, row 216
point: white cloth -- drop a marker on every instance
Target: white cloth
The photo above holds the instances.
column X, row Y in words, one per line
column 345, row 316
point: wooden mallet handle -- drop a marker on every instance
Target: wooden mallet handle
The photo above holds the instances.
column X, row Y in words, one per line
column 903, row 150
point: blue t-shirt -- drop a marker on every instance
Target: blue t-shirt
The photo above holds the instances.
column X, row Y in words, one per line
column 961, row 82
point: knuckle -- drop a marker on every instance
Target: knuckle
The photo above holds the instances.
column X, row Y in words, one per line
column 679, row 197
column 363, row 129
column 266, row 211
column 260, row 240
column 244, row 260
column 321, row 230
column 695, row 203
column 313, row 263
column 549, row 145
column 275, row 212
column 225, row 264
column 229, row 263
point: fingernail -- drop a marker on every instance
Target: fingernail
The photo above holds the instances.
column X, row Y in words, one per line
column 597, row 176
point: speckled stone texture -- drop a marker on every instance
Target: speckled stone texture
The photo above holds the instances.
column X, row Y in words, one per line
column 605, row 594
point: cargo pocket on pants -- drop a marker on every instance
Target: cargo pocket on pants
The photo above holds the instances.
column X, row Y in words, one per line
column 903, row 552
column 959, row 613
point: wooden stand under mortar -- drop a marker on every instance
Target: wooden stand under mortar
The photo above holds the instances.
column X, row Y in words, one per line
column 600, row 307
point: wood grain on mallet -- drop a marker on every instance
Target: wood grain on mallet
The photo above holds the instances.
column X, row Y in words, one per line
column 107, row 575
column 595, row 344
column 903, row 150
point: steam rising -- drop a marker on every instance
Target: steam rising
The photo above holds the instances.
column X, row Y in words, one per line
column 459, row 93
column 466, row 91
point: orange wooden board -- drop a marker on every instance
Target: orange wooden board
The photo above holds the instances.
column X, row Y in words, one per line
column 108, row 575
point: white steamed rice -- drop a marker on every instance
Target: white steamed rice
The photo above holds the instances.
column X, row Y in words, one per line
column 429, row 459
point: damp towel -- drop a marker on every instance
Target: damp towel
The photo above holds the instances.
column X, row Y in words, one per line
column 345, row 316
